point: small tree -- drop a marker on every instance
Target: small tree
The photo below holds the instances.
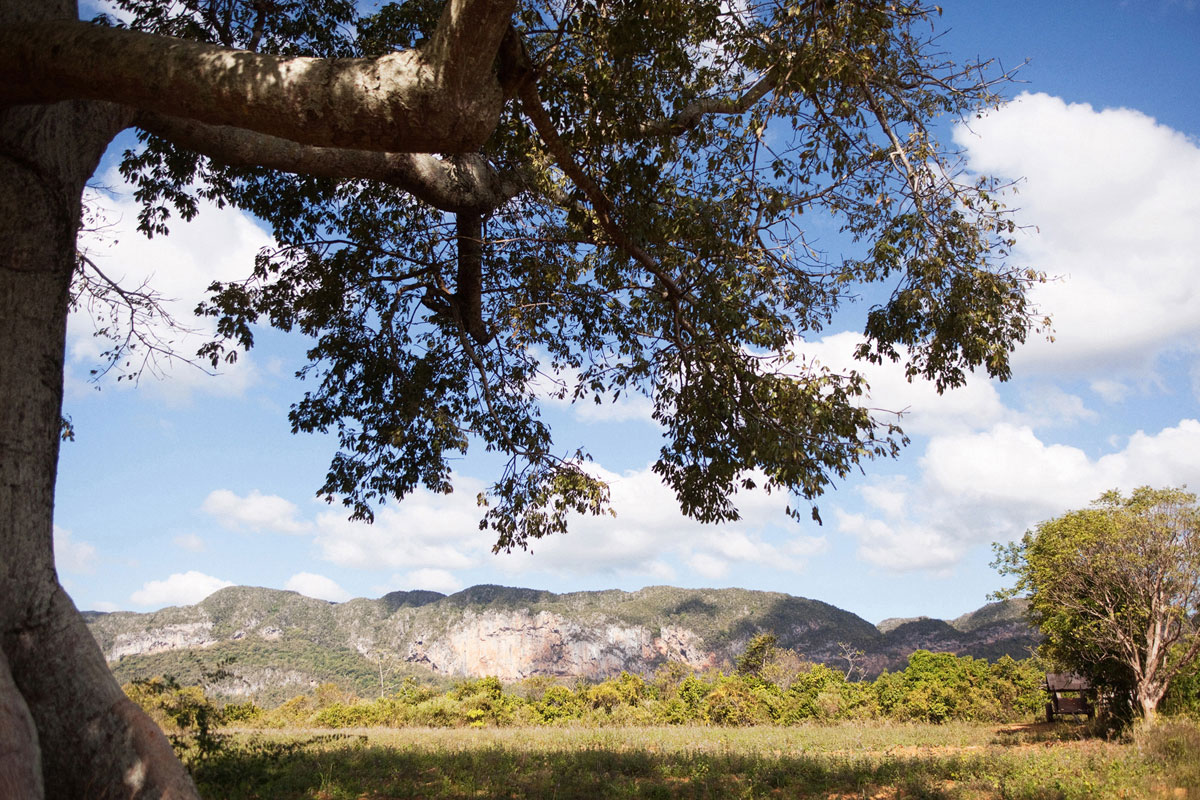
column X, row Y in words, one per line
column 1115, row 589
column 759, row 652
column 853, row 658
column 387, row 665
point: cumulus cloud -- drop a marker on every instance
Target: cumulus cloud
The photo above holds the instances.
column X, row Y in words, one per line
column 993, row 485
column 437, row 580
column 179, row 589
column 900, row 546
column 426, row 530
column 630, row 407
column 708, row 565
column 218, row 245
column 428, row 536
column 310, row 584
column 71, row 555
column 924, row 412
column 256, row 511
column 649, row 535
column 1112, row 196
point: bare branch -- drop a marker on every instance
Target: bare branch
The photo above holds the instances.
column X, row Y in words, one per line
column 691, row 116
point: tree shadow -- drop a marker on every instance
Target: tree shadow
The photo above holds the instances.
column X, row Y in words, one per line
column 341, row 765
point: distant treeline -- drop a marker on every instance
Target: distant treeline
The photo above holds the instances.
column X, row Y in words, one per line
column 769, row 687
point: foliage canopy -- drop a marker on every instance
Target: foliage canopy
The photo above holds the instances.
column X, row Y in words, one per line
column 640, row 221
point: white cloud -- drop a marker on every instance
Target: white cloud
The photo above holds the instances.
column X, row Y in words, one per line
column 437, row 580
column 630, row 407
column 995, row 484
column 179, row 589
column 1112, row 195
column 1009, row 468
column 312, row 585
column 899, row 547
column 71, row 555
column 105, row 605
column 256, row 511
column 218, row 244
column 190, row 542
column 924, row 410
column 425, row 530
column 708, row 565
column 1046, row 405
column 1110, row 391
column 649, row 532
column 646, row 538
column 890, row 498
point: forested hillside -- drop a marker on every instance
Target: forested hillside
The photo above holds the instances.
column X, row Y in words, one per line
column 279, row 643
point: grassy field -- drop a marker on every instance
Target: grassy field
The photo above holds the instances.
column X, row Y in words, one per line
column 876, row 760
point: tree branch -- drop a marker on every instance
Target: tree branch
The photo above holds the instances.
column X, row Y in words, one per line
column 690, row 116
column 459, row 183
column 443, row 99
column 602, row 206
column 468, row 303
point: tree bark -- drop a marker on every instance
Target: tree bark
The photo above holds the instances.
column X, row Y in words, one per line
column 59, row 704
column 444, row 99
column 465, row 182
column 468, row 293
column 1149, row 695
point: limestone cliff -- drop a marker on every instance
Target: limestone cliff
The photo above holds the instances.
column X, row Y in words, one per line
column 284, row 642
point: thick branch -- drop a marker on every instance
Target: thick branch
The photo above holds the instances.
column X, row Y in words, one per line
column 468, row 294
column 468, row 27
column 457, row 183
column 447, row 100
column 690, row 116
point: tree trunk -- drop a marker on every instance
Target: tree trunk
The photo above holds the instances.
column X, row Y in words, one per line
column 1148, row 697
column 66, row 728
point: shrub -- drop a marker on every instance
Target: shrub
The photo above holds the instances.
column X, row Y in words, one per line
column 356, row 715
column 559, row 703
column 815, row 693
column 733, row 701
column 691, row 693
column 235, row 713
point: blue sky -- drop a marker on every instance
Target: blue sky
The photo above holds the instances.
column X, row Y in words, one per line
column 186, row 483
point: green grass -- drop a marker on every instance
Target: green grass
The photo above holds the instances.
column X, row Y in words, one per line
column 842, row 761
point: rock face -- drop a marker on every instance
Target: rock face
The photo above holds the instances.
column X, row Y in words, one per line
column 281, row 639
column 513, row 645
column 168, row 637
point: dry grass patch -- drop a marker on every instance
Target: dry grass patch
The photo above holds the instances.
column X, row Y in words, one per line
column 885, row 761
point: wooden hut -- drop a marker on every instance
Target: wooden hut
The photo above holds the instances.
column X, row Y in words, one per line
column 1069, row 694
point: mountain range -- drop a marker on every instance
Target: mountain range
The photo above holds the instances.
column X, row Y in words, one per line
column 279, row 643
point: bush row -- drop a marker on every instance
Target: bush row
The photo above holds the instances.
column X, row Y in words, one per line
column 779, row 689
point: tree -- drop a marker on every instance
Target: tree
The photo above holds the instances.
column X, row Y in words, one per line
column 387, row 664
column 617, row 205
column 758, row 653
column 1115, row 589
